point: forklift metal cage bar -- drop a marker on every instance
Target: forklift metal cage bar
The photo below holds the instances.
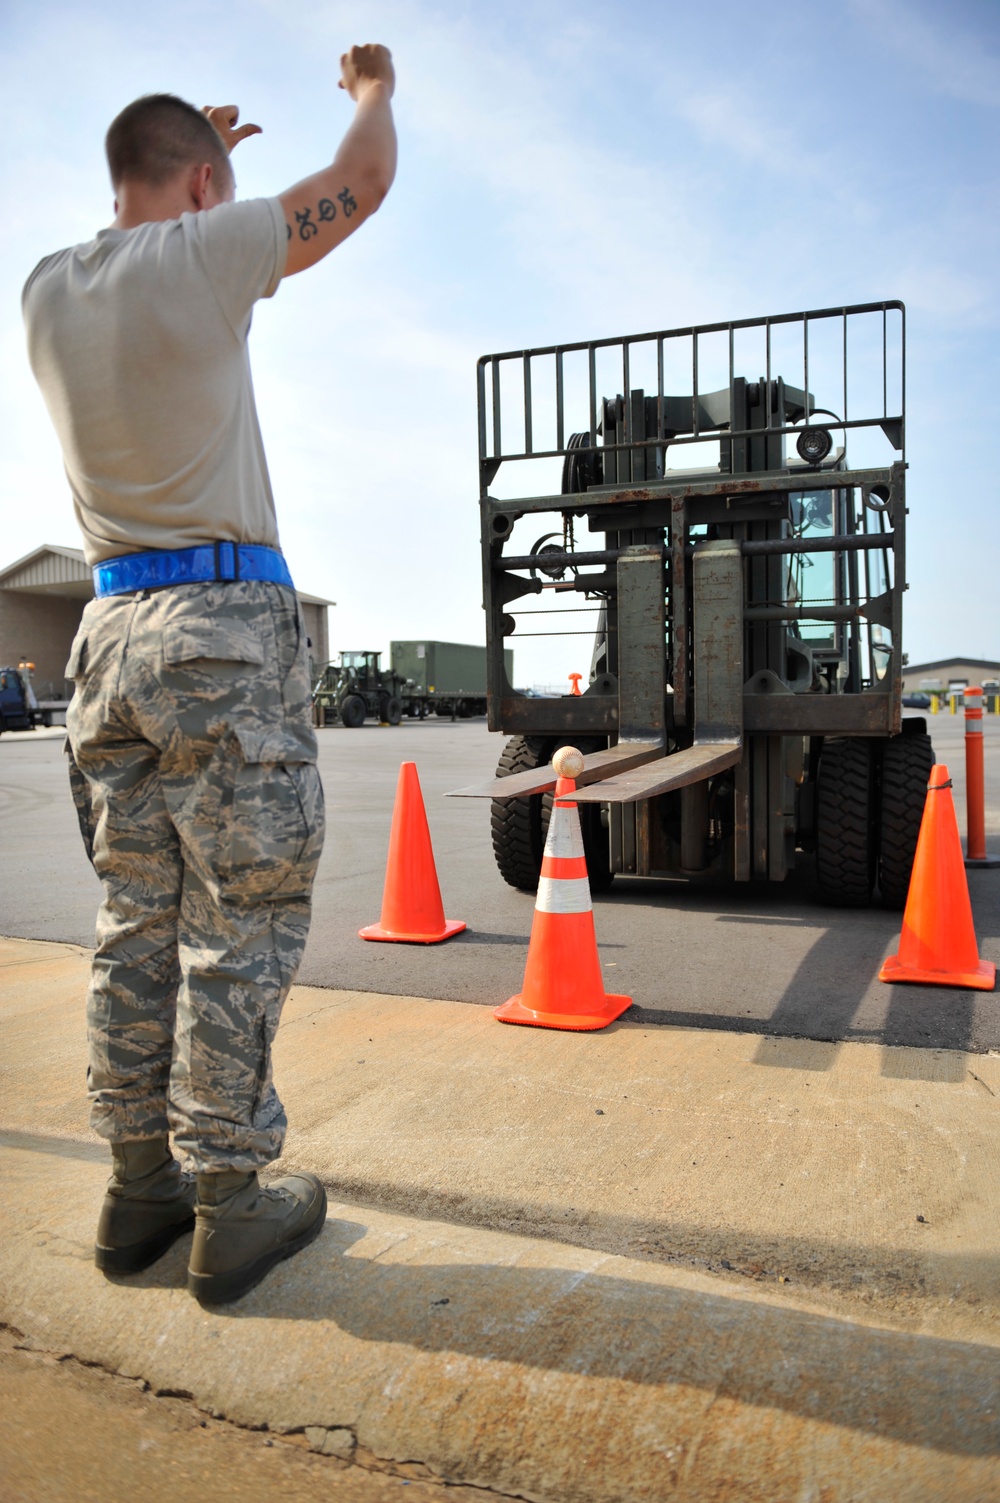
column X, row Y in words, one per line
column 492, row 453
column 639, row 502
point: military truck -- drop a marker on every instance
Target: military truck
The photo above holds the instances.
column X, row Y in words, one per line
column 357, row 687
column 426, row 678
column 744, row 590
column 448, row 678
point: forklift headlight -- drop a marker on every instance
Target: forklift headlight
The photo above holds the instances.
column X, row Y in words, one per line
column 814, row 444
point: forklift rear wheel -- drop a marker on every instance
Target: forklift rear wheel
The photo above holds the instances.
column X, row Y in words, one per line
column 845, row 821
column 906, row 768
column 353, row 711
column 519, row 825
column 390, row 709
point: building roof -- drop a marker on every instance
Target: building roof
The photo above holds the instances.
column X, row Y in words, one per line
column 51, row 570
column 951, row 663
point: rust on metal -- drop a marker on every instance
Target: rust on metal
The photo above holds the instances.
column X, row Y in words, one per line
column 676, row 771
column 820, row 714
column 601, row 764
column 569, row 715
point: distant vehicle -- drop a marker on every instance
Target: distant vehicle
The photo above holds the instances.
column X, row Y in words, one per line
column 426, row 678
column 358, row 687
column 446, row 678
column 19, row 710
column 916, row 701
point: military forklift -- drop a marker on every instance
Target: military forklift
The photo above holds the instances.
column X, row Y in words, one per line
column 356, row 687
column 744, row 586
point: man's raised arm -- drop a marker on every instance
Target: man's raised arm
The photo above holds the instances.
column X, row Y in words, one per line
column 324, row 209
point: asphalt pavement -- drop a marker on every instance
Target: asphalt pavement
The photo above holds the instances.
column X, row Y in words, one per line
column 755, row 958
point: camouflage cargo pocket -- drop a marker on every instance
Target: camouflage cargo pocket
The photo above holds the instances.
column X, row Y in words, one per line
column 83, row 802
column 76, row 667
column 273, row 832
column 196, row 639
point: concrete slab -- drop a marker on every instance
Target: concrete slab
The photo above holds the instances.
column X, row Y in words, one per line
column 541, row 1370
column 640, row 1264
column 753, row 958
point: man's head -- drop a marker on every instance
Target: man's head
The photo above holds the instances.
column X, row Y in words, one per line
column 158, row 140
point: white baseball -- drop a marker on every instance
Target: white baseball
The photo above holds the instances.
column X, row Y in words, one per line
column 567, row 762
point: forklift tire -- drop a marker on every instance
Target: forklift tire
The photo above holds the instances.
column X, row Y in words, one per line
column 516, row 823
column 353, row 711
column 519, row 825
column 845, row 821
column 390, row 709
column 906, row 767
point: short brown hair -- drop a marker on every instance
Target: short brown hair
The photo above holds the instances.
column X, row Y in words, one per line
column 155, row 137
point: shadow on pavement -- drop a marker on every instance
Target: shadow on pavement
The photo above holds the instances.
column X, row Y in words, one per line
column 834, row 995
column 921, row 1390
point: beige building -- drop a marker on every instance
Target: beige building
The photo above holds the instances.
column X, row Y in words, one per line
column 945, row 671
column 42, row 597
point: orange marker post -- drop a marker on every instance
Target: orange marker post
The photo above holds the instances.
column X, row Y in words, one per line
column 574, row 679
column 975, row 782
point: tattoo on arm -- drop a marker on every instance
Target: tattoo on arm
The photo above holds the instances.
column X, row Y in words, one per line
column 326, row 213
column 305, row 224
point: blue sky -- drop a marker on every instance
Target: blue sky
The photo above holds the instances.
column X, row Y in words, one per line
column 565, row 173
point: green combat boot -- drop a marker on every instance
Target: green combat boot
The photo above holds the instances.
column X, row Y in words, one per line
column 243, row 1230
column 149, row 1204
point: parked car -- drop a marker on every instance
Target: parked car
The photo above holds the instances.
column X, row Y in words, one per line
column 918, row 701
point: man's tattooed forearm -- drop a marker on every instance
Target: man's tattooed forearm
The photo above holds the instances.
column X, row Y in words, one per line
column 326, row 213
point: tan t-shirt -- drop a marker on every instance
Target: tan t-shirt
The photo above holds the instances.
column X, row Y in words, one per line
column 138, row 340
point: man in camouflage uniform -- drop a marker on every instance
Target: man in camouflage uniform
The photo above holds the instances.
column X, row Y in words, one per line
column 193, row 758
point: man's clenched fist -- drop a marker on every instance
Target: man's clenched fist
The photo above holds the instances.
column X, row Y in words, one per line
column 366, row 65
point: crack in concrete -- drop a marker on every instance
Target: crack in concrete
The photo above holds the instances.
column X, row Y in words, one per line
column 409, row 1469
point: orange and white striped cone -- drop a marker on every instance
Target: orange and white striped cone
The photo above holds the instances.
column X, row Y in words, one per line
column 563, row 986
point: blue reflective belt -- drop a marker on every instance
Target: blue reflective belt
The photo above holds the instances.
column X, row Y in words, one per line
column 201, row 565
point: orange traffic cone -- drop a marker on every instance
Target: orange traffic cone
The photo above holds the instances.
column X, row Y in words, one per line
column 412, row 911
column 563, row 986
column 938, row 944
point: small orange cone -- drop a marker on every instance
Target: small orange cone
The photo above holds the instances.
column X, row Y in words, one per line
column 574, row 679
column 938, row 944
column 412, row 911
column 563, row 986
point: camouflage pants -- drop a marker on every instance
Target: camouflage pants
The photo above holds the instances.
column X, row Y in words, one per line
column 193, row 767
